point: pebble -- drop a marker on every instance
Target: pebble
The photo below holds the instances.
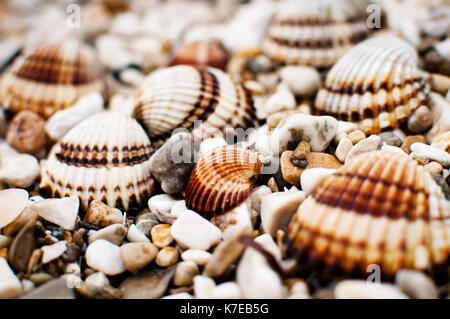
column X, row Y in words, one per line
column 257, row 196
column 410, row 140
column 161, row 235
column 185, row 273
column 366, row 145
column 344, row 146
column 272, row 185
column 52, row 289
column 12, row 203
column 102, row 215
column 439, row 82
column 179, row 295
column 104, row 256
column 149, row 284
column 114, row 233
column 356, row 136
column 302, row 149
column 281, row 100
column 318, row 131
column 278, row 208
column 135, row 235
column 361, row 289
column 3, row 123
column 298, row 288
column 205, row 235
column 33, row 260
column 136, row 256
column 17, row 224
column 227, row 290
column 312, row 177
column 434, row 168
column 344, row 128
column 301, row 80
column 395, row 149
column 21, row 247
column 426, row 152
column 27, row 286
column 254, row 87
column 59, row 211
column 210, row 143
column 232, row 221
column 62, row 121
column 167, row 256
column 97, row 279
column 17, row 170
column 73, row 268
column 391, row 139
column 440, row 109
column 171, row 169
column 40, row 278
column 10, row 286
column 416, row 284
column 26, row 132
column 161, row 205
column 203, row 287
column 53, row 252
column 442, row 141
column 421, row 120
column 5, row 241
column 200, row 257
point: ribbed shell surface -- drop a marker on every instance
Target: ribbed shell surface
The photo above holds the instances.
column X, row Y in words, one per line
column 222, row 179
column 177, row 96
column 105, row 157
column 314, row 33
column 49, row 78
column 376, row 84
column 381, row 208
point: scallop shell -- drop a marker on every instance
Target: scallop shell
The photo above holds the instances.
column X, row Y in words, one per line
column 49, row 78
column 376, row 84
column 222, row 179
column 178, row 96
column 105, row 157
column 314, row 33
column 381, row 208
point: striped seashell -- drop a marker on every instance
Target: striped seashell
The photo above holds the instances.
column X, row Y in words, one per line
column 105, row 157
column 376, row 84
column 49, row 78
column 222, row 179
column 314, row 33
column 381, row 208
column 177, row 96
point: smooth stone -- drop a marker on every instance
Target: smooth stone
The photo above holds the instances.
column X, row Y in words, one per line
column 27, row 286
column 227, row 290
column 390, row 148
column 53, row 289
column 410, row 140
column 203, row 287
column 200, row 257
column 421, row 120
column 390, row 138
column 440, row 83
column 185, row 273
column 26, row 132
column 149, row 284
column 73, row 268
column 171, row 169
column 313, row 177
column 442, row 141
column 161, row 205
column 59, row 211
column 167, row 257
column 440, row 110
column 21, row 247
column 205, row 235
column 356, row 136
column 102, row 215
column 344, row 128
column 318, row 131
column 10, row 286
column 361, row 289
column 52, row 252
column 12, row 203
column 301, row 80
column 161, row 235
column 114, row 233
column 302, row 149
column 104, row 256
column 135, row 235
column 416, row 284
column 344, row 146
column 427, row 153
column 97, row 279
column 5, row 241
column 17, row 224
column 278, row 208
column 366, row 145
column 233, row 220
column 434, row 168
column 19, row 170
column 281, row 100
column 136, row 256
column 180, row 295
column 257, row 196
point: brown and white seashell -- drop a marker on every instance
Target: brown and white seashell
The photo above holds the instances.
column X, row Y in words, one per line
column 200, row 53
column 222, row 179
column 105, row 157
column 178, row 96
column 376, row 84
column 49, row 78
column 314, row 33
column 380, row 208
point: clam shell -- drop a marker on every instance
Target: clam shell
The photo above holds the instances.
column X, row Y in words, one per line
column 49, row 78
column 314, row 33
column 222, row 179
column 105, row 157
column 376, row 84
column 177, row 96
column 381, row 208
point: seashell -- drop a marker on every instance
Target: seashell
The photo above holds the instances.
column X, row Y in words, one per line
column 200, row 53
column 222, row 179
column 380, row 208
column 49, row 78
column 376, row 84
column 205, row 100
column 314, row 33
column 105, row 157
column 442, row 142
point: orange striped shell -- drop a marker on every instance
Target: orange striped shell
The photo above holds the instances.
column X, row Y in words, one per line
column 49, row 78
column 222, row 179
column 377, row 84
column 380, row 208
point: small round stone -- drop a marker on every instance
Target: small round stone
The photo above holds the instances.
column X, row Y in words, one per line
column 356, row 136
column 302, row 149
column 161, row 235
column 434, row 168
column 167, row 256
column 185, row 273
column 26, row 133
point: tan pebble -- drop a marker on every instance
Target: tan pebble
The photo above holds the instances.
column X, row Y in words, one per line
column 102, row 215
column 416, row 284
column 272, row 184
column 434, row 167
column 344, row 146
column 161, row 235
column 442, row 141
column 440, row 83
column 356, row 136
column 4, row 253
column 273, row 119
column 16, row 225
column 254, row 87
column 364, row 146
column 199, row 256
column 136, row 256
column 26, row 133
column 185, row 273
column 167, row 256
column 302, row 149
column 409, row 140
column 113, row 233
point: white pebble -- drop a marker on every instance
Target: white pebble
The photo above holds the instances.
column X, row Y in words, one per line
column 200, row 257
column 52, row 252
column 12, row 203
column 136, row 235
column 344, row 146
column 313, row 177
column 301, row 80
column 60, row 211
column 104, row 256
column 427, row 153
column 227, row 290
column 361, row 289
column 10, row 286
column 97, row 279
column 203, row 287
column 390, row 148
column 19, row 170
column 180, row 295
column 366, row 145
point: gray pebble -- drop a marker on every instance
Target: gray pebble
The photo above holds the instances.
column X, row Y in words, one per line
column 390, row 139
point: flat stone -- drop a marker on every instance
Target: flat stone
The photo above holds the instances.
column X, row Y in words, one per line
column 12, row 203
column 10, row 286
column 52, row 252
column 136, row 256
column 97, row 279
column 410, row 140
column 356, row 136
column 161, row 206
column 232, row 221
column 53, row 289
column 114, row 233
column 19, row 170
column 59, row 211
column 390, row 138
column 104, row 256
column 21, row 247
column 366, row 145
column 135, row 235
column 344, row 146
column 102, row 215
column 17, row 224
column 151, row 284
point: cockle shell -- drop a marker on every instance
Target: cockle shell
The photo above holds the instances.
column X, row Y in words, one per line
column 376, row 84
column 49, row 78
column 178, row 96
column 105, row 157
column 222, row 179
column 314, row 33
column 380, row 208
